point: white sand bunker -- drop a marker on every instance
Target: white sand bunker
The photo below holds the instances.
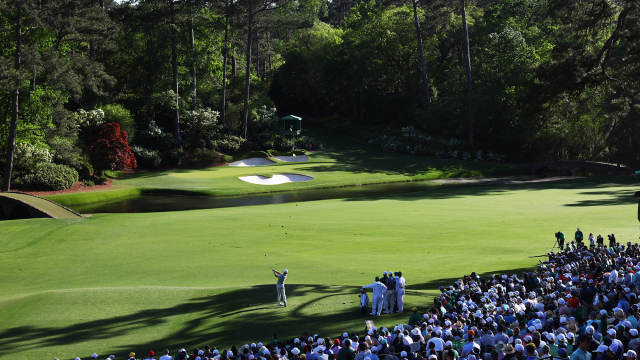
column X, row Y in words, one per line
column 252, row 162
column 275, row 179
column 298, row 158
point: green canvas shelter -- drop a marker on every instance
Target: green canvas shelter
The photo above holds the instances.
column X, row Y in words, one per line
column 291, row 125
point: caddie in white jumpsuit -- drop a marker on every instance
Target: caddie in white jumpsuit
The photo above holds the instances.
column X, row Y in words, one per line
column 400, row 284
column 378, row 293
column 280, row 286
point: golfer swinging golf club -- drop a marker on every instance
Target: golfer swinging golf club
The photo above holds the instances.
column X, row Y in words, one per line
column 280, row 286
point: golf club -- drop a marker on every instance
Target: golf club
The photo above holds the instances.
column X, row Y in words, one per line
column 269, row 263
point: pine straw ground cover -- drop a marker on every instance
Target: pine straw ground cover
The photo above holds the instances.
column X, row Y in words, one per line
column 116, row 283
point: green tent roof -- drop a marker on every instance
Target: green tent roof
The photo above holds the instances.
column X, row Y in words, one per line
column 291, row 117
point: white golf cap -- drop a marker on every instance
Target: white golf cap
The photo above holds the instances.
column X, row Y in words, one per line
column 384, row 273
column 633, row 332
column 631, row 353
column 403, row 354
column 295, row 351
column 94, row 356
column 286, row 271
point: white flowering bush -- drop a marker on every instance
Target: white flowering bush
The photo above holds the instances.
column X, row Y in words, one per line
column 91, row 119
column 26, row 156
column 152, row 130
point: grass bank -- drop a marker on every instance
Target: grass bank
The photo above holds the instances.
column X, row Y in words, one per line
column 345, row 162
column 116, row 283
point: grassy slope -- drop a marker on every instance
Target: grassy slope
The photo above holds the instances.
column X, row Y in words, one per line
column 345, row 162
column 116, row 283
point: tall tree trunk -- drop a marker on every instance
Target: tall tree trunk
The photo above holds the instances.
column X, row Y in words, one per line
column 234, row 66
column 174, row 58
column 425, row 78
column 225, row 55
column 11, row 143
column 193, row 67
column 257, row 52
column 248, row 72
column 467, row 62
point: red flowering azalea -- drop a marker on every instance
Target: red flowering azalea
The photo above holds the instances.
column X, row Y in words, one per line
column 111, row 150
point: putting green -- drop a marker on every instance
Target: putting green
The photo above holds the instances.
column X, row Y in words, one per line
column 344, row 162
column 116, row 283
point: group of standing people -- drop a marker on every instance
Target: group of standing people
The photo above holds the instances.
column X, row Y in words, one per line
column 578, row 240
column 388, row 294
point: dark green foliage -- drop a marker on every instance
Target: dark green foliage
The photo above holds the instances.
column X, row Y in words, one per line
column 48, row 176
column 146, row 158
column 284, row 144
column 84, row 168
column 112, row 174
column 118, row 114
column 201, row 156
column 229, row 144
column 173, row 156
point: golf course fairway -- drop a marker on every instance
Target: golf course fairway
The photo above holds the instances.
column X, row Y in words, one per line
column 116, row 283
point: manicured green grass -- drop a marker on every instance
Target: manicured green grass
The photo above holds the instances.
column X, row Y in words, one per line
column 116, row 283
column 344, row 162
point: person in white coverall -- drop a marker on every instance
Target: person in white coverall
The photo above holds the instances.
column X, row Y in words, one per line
column 378, row 293
column 400, row 284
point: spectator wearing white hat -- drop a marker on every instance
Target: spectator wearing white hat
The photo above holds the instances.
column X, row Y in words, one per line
column 280, row 286
column 384, row 278
column 634, row 343
column 631, row 355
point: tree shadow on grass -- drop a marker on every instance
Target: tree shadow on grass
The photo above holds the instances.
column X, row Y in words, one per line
column 225, row 318
column 622, row 197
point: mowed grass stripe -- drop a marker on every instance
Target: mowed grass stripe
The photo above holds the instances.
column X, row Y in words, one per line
column 146, row 281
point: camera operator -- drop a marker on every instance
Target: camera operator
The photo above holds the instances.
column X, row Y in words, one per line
column 612, row 241
column 560, row 240
column 600, row 240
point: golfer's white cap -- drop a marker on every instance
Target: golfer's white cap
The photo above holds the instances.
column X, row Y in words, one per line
column 286, row 271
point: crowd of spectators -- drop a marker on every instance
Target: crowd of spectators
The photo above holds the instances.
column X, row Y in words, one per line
column 580, row 304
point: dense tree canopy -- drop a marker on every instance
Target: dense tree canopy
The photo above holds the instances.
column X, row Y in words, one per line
column 552, row 79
